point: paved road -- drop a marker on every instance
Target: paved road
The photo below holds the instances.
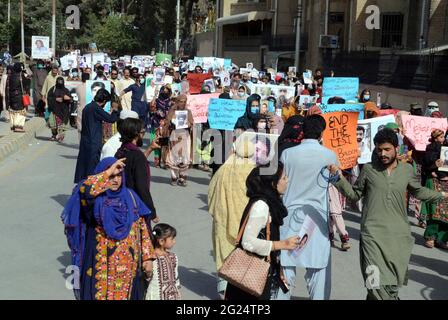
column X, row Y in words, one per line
column 36, row 182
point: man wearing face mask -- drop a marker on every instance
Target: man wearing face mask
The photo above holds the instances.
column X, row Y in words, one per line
column 39, row 76
column 138, row 104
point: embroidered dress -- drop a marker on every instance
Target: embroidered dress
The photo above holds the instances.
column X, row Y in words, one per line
column 164, row 284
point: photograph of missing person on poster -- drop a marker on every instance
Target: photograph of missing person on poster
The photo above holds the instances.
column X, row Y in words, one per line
column 305, row 234
column 181, row 119
column 444, row 158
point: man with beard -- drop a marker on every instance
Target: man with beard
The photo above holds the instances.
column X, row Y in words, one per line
column 137, row 170
column 91, row 143
column 386, row 242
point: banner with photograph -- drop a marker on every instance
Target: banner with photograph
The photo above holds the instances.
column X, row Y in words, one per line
column 265, row 145
column 92, row 87
column 224, row 113
column 340, row 136
column 267, row 90
column 40, row 47
column 198, row 104
column 181, row 119
column 418, row 129
column 366, row 132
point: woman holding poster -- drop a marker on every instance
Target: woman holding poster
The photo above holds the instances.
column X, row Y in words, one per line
column 436, row 233
column 179, row 155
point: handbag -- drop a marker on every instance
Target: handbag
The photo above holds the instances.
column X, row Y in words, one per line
column 246, row 270
column 26, row 100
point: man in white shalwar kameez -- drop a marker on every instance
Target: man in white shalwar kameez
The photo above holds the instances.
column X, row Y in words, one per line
column 307, row 195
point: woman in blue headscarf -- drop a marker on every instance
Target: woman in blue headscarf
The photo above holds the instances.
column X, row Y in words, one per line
column 109, row 239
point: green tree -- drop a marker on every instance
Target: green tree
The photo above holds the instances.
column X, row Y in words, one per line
column 115, row 34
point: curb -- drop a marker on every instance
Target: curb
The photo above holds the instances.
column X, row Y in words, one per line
column 13, row 142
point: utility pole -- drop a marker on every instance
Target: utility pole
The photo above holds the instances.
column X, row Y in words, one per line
column 53, row 30
column 9, row 18
column 22, row 28
column 178, row 29
column 299, row 22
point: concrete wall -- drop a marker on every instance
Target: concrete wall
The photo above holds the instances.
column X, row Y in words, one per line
column 240, row 58
column 438, row 24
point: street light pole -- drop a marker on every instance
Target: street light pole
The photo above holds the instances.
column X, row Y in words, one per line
column 53, row 30
column 178, row 29
column 9, row 17
column 22, row 28
column 299, row 21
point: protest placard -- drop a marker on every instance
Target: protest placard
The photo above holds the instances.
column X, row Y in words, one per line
column 340, row 136
column 227, row 64
column 176, row 88
column 444, row 158
column 40, row 47
column 181, row 119
column 305, row 233
column 266, row 90
column 159, row 76
column 308, row 77
column 168, row 79
column 198, row 104
column 305, row 100
column 366, row 132
column 225, row 78
column 162, row 58
column 196, row 80
column 349, row 107
column 69, row 62
column 224, row 113
column 418, row 129
column 211, row 84
column 346, row 88
column 265, row 145
column 92, row 87
column 150, row 89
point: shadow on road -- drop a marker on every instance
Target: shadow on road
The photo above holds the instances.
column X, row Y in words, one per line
column 435, row 286
column 435, row 265
column 61, row 199
column 204, row 199
column 199, row 282
column 70, row 157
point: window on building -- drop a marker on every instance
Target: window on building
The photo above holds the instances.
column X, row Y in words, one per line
column 336, row 17
column 392, row 30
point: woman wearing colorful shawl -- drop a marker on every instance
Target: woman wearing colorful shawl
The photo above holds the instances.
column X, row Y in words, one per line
column 227, row 200
column 108, row 236
column 436, row 233
column 59, row 99
column 159, row 113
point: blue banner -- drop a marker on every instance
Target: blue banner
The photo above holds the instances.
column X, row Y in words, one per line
column 224, row 113
column 350, row 107
column 346, row 88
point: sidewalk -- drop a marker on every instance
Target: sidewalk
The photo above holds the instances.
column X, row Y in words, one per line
column 11, row 142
